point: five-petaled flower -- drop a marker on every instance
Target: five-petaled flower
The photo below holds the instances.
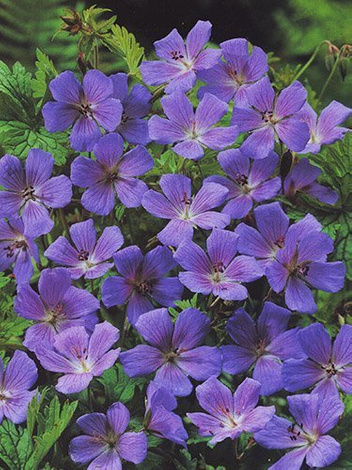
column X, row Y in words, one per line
column 183, row 210
column 78, row 356
column 32, row 192
column 219, row 272
column 86, row 107
column 112, row 172
column 229, row 415
column 89, row 257
column 57, row 307
column 192, row 131
column 142, row 280
column 179, row 60
column 106, row 441
column 173, row 351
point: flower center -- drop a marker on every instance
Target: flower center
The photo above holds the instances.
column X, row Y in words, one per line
column 54, row 315
column 83, row 255
column 235, row 77
column 28, row 194
column 17, row 245
column 280, row 242
column 112, row 176
column 218, row 270
column 260, row 347
column 124, row 118
column 330, row 369
column 187, row 201
column 176, row 55
column 301, row 270
column 268, row 117
column 241, row 179
column 86, row 110
column 144, row 288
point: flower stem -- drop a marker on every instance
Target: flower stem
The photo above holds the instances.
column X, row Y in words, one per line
column 310, row 60
column 331, row 74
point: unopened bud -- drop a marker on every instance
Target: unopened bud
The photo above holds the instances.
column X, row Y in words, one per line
column 331, row 56
column 72, row 22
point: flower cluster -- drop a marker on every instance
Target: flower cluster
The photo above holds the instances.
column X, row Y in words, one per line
column 230, row 238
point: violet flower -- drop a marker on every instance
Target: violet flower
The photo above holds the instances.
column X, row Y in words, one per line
column 192, row 131
column 324, row 130
column 314, row 417
column 301, row 264
column 142, row 281
column 31, row 192
column 264, row 345
column 136, row 105
column 272, row 229
column 18, row 249
column 58, row 306
column 180, row 60
column 16, row 379
column 229, row 415
column 302, row 179
column 269, row 119
column 105, row 442
column 113, row 172
column 85, row 107
column 230, row 79
column 328, row 367
column 184, row 211
column 89, row 256
column 173, row 351
column 78, row 356
column 159, row 417
column 248, row 182
column 219, row 272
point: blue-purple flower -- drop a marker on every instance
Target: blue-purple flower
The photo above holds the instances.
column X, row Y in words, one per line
column 113, row 172
column 272, row 229
column 32, row 192
column 229, row 415
column 142, row 281
column 159, row 417
column 219, row 272
column 326, row 129
column 263, row 345
column 306, row 435
column 302, row 179
column 88, row 257
column 328, row 367
column 106, row 441
column 302, row 264
column 86, row 107
column 136, row 105
column 18, row 249
column 184, row 211
column 16, row 379
column 174, row 351
column 80, row 356
column 270, row 119
column 180, row 60
column 192, row 132
column 230, row 79
column 248, row 182
column 58, row 306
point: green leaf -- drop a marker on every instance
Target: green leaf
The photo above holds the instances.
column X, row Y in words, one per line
column 45, row 73
column 4, row 280
column 123, row 43
column 15, row 445
column 118, row 386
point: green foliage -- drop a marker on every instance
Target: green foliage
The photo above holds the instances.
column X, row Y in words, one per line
column 45, row 72
column 15, row 445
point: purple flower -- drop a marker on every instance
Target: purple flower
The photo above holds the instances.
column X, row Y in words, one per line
column 179, row 61
column 112, row 172
column 89, row 256
column 229, row 414
column 302, row 179
column 78, row 356
column 31, row 192
column 105, row 441
column 219, row 272
column 247, row 182
column 86, row 107
column 173, row 351
column 142, row 281
column 324, row 130
column 192, row 131
column 272, row 229
column 136, row 105
column 159, row 419
column 264, row 344
column 183, row 210
column 328, row 367
column 301, row 264
column 58, row 306
column 15, row 381
column 231, row 79
column 18, row 249
column 269, row 118
column 314, row 417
